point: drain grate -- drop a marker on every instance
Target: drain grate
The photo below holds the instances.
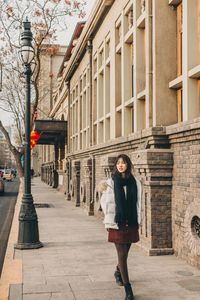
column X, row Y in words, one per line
column 42, row 205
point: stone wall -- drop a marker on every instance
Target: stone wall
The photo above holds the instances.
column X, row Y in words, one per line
column 152, row 165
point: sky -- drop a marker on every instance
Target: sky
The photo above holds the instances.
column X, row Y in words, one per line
column 63, row 39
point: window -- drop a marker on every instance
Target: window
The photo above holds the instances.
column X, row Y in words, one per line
column 179, row 38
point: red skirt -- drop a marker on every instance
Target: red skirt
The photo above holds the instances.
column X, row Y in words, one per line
column 123, row 235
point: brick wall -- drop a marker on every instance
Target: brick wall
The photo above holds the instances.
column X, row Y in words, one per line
column 185, row 143
column 167, row 161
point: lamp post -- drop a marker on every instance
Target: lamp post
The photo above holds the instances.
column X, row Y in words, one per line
column 28, row 236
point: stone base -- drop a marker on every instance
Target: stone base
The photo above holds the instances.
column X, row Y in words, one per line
column 159, row 251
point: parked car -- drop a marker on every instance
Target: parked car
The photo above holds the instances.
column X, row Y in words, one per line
column 1, row 186
column 8, row 175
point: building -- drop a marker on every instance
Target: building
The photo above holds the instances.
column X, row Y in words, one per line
column 132, row 85
column 6, row 157
column 51, row 57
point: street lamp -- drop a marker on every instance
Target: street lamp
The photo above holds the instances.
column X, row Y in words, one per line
column 28, row 236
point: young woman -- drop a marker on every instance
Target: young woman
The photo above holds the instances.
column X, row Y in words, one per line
column 120, row 202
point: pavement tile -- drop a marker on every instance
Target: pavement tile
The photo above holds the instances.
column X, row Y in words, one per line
column 62, row 296
column 77, row 262
column 37, row 279
column 37, row 296
column 29, row 288
column 103, row 294
column 68, row 279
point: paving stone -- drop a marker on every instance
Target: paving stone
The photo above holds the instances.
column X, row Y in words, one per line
column 37, row 296
column 62, row 296
column 77, row 262
column 15, row 292
column 42, row 288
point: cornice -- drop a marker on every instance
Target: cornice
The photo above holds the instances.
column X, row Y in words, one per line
column 96, row 18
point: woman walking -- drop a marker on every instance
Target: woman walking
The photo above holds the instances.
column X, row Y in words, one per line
column 120, row 202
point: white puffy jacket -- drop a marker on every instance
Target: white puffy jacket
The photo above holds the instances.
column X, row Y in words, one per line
column 108, row 202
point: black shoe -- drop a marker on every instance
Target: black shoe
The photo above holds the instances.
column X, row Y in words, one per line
column 129, row 292
column 118, row 277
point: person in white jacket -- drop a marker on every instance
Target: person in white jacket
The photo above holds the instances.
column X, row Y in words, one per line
column 121, row 204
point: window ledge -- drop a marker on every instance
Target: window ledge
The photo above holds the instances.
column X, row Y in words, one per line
column 108, row 61
column 194, row 72
column 174, row 2
column 129, row 102
column 141, row 21
column 129, row 36
column 118, row 48
column 119, row 108
column 141, row 95
column 176, row 83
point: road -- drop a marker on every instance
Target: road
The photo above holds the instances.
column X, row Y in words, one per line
column 7, row 205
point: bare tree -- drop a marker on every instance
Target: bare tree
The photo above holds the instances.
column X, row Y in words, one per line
column 46, row 17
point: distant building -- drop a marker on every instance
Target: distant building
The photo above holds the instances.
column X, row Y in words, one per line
column 131, row 84
column 6, row 158
column 51, row 59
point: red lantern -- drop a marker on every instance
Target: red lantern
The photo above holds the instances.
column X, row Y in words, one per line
column 34, row 137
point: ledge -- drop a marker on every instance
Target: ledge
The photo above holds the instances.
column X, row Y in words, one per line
column 118, row 48
column 129, row 102
column 141, row 21
column 141, row 95
column 174, row 2
column 128, row 39
column 119, row 108
column 176, row 83
column 194, row 72
column 108, row 61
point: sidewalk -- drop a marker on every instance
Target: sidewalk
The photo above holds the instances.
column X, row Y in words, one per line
column 77, row 262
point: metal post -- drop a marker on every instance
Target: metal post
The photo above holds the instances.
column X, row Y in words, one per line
column 28, row 236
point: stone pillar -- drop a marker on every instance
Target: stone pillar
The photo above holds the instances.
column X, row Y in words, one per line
column 51, row 176
column 107, row 164
column 68, row 172
column 154, row 167
column 76, row 182
column 61, row 154
column 89, row 204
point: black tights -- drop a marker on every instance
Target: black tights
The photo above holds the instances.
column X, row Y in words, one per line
column 122, row 253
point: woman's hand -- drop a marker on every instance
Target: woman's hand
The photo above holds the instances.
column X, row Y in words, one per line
column 102, row 186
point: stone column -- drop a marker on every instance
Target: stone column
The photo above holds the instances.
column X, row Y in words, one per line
column 68, row 176
column 55, row 169
column 154, row 167
column 76, row 182
column 87, row 165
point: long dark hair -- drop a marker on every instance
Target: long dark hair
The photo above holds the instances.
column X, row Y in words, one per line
column 125, row 159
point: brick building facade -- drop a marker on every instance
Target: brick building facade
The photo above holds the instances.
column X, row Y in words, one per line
column 131, row 84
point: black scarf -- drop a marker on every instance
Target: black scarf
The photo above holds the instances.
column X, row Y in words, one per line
column 126, row 206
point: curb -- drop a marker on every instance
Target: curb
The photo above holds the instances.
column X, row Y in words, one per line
column 12, row 268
